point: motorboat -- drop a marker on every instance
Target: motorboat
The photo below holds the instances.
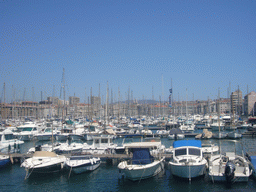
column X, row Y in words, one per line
column 252, row 163
column 4, row 160
column 8, row 142
column 176, row 133
column 82, row 163
column 47, row 134
column 229, row 168
column 142, row 165
column 188, row 161
column 234, row 135
column 70, row 147
column 43, row 162
column 27, row 131
column 220, row 135
column 102, row 144
column 210, row 148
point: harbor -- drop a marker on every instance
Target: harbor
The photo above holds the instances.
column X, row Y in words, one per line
column 108, row 178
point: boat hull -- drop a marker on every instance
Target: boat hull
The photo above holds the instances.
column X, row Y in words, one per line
column 186, row 171
column 84, row 168
column 46, row 169
column 138, row 172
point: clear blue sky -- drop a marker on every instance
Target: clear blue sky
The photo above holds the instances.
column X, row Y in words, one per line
column 200, row 45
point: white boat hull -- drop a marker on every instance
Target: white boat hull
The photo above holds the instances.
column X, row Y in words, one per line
column 87, row 168
column 187, row 171
column 137, row 172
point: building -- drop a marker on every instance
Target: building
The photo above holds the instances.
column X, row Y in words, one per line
column 236, row 102
column 223, row 105
column 53, row 100
column 74, row 100
column 249, row 103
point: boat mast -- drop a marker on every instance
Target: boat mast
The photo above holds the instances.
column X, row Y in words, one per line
column 219, row 108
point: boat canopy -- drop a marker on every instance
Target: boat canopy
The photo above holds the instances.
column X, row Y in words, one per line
column 182, row 143
column 141, row 156
column 142, row 145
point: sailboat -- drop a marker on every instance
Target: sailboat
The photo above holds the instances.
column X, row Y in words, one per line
column 220, row 134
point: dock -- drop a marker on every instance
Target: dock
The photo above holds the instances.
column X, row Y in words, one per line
column 108, row 158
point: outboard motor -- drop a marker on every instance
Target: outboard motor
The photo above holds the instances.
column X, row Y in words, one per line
column 230, row 171
column 38, row 148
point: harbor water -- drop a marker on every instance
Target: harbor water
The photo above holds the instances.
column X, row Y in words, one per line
column 108, row 178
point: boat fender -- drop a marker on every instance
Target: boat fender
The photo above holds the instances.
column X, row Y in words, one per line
column 230, row 171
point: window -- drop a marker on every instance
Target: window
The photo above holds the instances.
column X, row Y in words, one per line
column 9, row 137
column 193, row 151
column 180, row 152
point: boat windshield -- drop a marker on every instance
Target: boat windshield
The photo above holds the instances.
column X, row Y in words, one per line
column 179, row 152
column 8, row 137
column 27, row 129
column 193, row 151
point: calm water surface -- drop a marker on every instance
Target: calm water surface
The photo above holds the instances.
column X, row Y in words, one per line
column 107, row 177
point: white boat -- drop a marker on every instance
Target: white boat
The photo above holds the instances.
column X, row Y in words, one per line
column 176, row 133
column 234, row 135
column 8, row 142
column 228, row 168
column 102, row 144
column 209, row 148
column 220, row 135
column 188, row 161
column 66, row 148
column 82, row 163
column 43, row 162
column 142, row 165
column 47, row 134
column 27, row 131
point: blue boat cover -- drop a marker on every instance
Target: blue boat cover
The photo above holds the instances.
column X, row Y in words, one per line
column 141, row 156
column 253, row 161
column 182, row 143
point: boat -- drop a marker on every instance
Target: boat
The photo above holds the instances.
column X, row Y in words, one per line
column 176, row 133
column 220, row 135
column 82, row 163
column 210, row 148
column 47, row 134
column 142, row 165
column 188, row 161
column 27, row 131
column 8, row 142
column 234, row 135
column 252, row 163
column 4, row 160
column 69, row 147
column 229, row 166
column 43, row 162
column 102, row 144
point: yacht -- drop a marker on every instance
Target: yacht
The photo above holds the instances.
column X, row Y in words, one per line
column 27, row 131
column 8, row 142
column 101, row 145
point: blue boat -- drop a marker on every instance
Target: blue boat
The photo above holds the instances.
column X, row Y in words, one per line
column 4, row 160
